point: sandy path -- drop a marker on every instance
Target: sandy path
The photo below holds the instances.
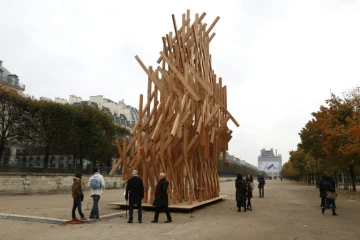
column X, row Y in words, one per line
column 288, row 211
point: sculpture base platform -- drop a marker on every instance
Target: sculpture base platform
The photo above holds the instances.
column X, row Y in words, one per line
column 184, row 206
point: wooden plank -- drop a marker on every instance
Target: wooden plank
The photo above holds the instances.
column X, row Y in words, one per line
column 179, row 75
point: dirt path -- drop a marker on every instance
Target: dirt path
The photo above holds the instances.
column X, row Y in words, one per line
column 288, row 211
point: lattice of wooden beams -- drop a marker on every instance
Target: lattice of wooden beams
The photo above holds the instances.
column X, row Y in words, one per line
column 183, row 126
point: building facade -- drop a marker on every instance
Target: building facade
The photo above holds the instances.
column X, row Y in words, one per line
column 270, row 162
column 236, row 160
column 10, row 81
column 124, row 115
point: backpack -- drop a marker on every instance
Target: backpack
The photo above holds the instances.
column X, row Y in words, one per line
column 95, row 182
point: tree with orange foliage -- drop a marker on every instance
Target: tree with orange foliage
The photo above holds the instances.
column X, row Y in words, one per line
column 333, row 122
column 289, row 171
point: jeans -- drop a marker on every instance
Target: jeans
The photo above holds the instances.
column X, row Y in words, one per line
column 131, row 212
column 157, row 211
column 261, row 191
column 77, row 204
column 328, row 203
column 323, row 201
column 249, row 203
column 95, row 209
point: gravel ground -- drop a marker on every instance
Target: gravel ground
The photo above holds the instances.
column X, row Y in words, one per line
column 289, row 211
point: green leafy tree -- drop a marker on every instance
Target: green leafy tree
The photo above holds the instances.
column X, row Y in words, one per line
column 15, row 121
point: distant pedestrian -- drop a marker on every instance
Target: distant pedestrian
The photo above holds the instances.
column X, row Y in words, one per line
column 261, row 185
column 322, row 191
column 250, row 186
column 97, row 187
column 330, row 196
column 78, row 196
column 240, row 186
column 161, row 199
column 136, row 188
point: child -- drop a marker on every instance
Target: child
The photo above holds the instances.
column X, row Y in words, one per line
column 77, row 196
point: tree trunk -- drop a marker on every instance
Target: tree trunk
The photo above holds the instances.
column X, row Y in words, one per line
column 47, row 155
column 81, row 165
column 2, row 147
column 352, row 174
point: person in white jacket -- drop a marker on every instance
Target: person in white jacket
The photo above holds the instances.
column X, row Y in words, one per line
column 97, row 187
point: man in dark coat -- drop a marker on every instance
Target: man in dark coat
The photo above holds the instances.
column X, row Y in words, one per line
column 240, row 192
column 322, row 192
column 329, row 186
column 136, row 188
column 261, row 185
column 161, row 199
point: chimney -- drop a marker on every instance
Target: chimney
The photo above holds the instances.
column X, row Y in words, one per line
column 0, row 63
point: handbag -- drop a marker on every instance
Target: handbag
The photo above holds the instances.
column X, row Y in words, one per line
column 331, row 195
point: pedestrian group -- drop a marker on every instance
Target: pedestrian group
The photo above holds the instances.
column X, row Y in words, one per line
column 134, row 194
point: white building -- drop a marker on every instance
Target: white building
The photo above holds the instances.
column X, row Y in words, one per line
column 10, row 81
column 124, row 115
column 269, row 162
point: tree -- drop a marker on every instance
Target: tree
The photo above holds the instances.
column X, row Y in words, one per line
column 330, row 139
column 53, row 128
column 15, row 120
column 339, row 145
column 311, row 143
column 94, row 134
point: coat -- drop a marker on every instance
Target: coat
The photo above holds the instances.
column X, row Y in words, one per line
column 321, row 188
column 76, row 187
column 100, row 191
column 240, row 190
column 250, row 187
column 161, row 195
column 261, row 181
column 136, row 188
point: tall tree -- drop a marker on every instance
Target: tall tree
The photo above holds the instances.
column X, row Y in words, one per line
column 334, row 123
column 15, row 120
column 53, row 128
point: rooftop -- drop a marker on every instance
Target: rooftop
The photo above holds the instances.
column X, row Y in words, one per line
column 10, row 80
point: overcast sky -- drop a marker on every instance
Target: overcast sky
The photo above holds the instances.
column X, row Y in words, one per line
column 279, row 59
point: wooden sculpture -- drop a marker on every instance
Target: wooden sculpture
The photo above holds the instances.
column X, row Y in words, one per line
column 182, row 128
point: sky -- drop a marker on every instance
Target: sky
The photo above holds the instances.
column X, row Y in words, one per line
column 279, row 59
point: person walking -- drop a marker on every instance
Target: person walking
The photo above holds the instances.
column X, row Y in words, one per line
column 161, row 199
column 240, row 192
column 322, row 192
column 330, row 197
column 97, row 187
column 261, row 185
column 136, row 188
column 250, row 186
column 77, row 194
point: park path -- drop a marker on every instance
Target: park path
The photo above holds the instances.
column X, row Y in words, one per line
column 289, row 210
